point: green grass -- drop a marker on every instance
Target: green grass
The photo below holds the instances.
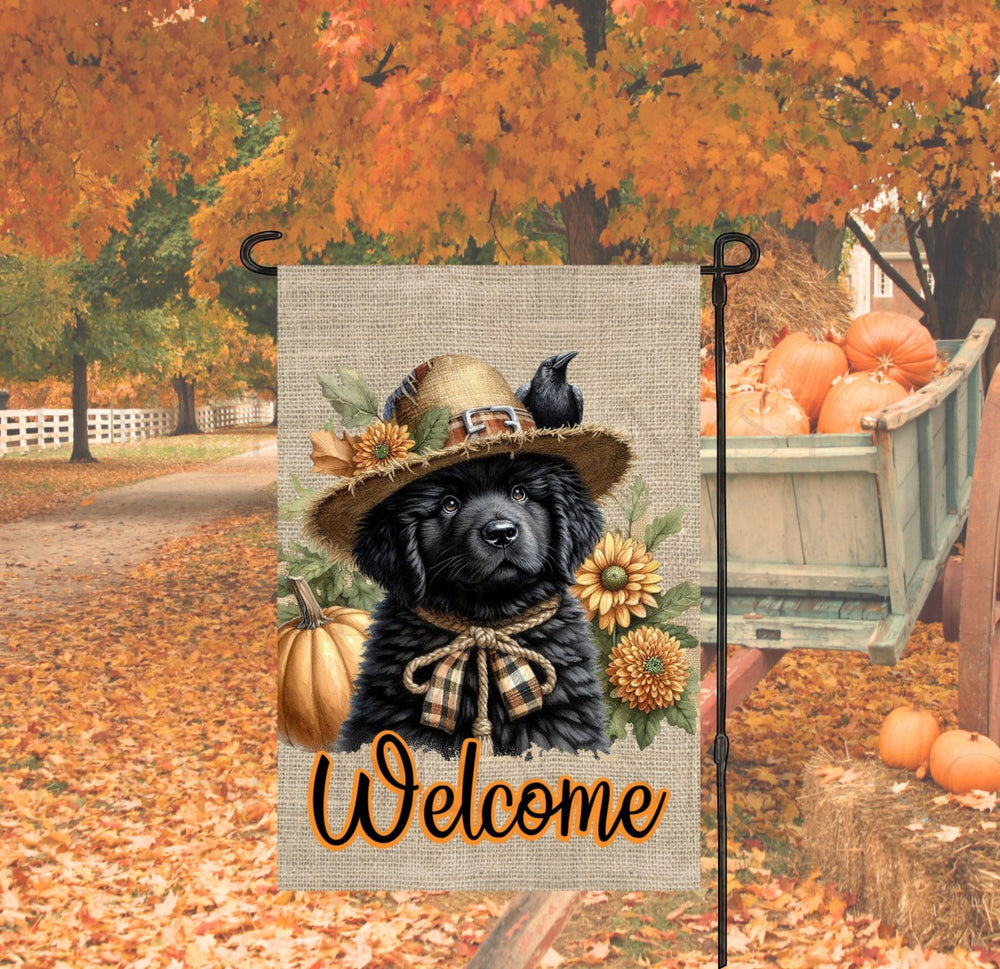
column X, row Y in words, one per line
column 211, row 446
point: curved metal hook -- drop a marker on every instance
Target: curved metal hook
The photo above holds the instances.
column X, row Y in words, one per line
column 248, row 243
column 720, row 269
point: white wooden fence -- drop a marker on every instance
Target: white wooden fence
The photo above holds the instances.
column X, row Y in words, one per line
column 21, row 430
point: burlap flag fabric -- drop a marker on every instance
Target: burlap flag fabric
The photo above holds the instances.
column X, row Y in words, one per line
column 501, row 465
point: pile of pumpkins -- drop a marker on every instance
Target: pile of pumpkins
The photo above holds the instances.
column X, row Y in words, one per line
column 823, row 382
column 958, row 760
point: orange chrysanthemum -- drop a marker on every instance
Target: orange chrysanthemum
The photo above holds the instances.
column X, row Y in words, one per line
column 647, row 669
column 381, row 443
column 617, row 581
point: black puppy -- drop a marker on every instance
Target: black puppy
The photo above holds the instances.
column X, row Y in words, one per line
column 483, row 541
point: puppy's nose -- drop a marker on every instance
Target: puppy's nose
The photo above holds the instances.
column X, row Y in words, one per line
column 499, row 532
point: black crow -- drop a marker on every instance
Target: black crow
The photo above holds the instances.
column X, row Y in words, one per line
column 552, row 400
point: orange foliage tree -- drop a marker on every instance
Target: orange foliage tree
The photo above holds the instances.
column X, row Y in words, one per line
column 107, row 100
column 206, row 349
column 561, row 130
column 625, row 125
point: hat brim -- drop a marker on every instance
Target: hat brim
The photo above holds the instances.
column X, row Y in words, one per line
column 600, row 456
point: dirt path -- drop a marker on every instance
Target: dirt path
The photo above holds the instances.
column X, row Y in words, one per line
column 78, row 551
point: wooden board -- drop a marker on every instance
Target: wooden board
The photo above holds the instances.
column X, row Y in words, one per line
column 848, row 531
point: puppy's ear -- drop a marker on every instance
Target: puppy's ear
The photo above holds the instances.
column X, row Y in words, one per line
column 385, row 549
column 578, row 523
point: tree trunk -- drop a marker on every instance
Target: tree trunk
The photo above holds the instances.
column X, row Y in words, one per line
column 825, row 240
column 81, row 433
column 187, row 419
column 592, row 15
column 585, row 217
column 963, row 253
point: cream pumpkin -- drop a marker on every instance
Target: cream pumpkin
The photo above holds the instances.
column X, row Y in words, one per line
column 318, row 660
column 765, row 411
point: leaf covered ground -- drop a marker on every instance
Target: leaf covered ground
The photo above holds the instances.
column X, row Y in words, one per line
column 138, row 800
column 38, row 481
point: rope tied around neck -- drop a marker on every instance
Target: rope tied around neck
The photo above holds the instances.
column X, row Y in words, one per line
column 496, row 649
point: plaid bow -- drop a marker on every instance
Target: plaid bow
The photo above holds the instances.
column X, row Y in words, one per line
column 496, row 651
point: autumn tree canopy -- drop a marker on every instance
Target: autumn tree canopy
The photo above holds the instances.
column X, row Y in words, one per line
column 579, row 130
column 113, row 105
column 630, row 124
column 102, row 98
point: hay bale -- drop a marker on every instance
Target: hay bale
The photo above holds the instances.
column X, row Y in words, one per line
column 786, row 289
column 891, row 851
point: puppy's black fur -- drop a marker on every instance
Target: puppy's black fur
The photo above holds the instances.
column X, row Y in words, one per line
column 482, row 540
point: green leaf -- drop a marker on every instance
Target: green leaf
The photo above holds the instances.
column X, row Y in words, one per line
column 673, row 602
column 290, row 510
column 329, row 586
column 287, row 611
column 663, row 526
column 683, row 714
column 645, row 726
column 602, row 640
column 620, row 715
column 692, row 688
column 333, row 584
column 681, row 634
column 350, row 398
column 361, row 594
column 312, row 569
column 633, row 506
column 432, row 431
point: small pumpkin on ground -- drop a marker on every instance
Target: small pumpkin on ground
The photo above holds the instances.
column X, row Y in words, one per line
column 907, row 736
column 318, row 659
column 894, row 343
column 962, row 761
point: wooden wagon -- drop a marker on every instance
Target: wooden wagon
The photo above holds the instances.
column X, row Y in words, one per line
column 838, row 541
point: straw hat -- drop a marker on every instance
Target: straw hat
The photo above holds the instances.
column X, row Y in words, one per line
column 486, row 418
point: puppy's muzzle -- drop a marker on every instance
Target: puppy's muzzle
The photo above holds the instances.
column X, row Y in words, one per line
column 499, row 533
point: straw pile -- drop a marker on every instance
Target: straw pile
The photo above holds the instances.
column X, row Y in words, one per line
column 786, row 290
column 932, row 869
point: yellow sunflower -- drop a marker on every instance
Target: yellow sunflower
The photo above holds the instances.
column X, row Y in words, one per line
column 617, row 581
column 647, row 669
column 381, row 443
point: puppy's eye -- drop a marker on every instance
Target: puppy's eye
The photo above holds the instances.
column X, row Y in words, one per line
column 518, row 493
column 450, row 504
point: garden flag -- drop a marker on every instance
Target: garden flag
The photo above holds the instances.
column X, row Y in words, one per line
column 489, row 571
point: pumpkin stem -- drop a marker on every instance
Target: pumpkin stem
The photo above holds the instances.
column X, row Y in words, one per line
column 312, row 614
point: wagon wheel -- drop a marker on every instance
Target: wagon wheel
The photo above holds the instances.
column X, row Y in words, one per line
column 979, row 623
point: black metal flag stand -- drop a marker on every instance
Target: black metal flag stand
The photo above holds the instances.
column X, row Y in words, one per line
column 719, row 270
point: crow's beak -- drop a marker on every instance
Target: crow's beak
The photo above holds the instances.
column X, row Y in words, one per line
column 561, row 362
